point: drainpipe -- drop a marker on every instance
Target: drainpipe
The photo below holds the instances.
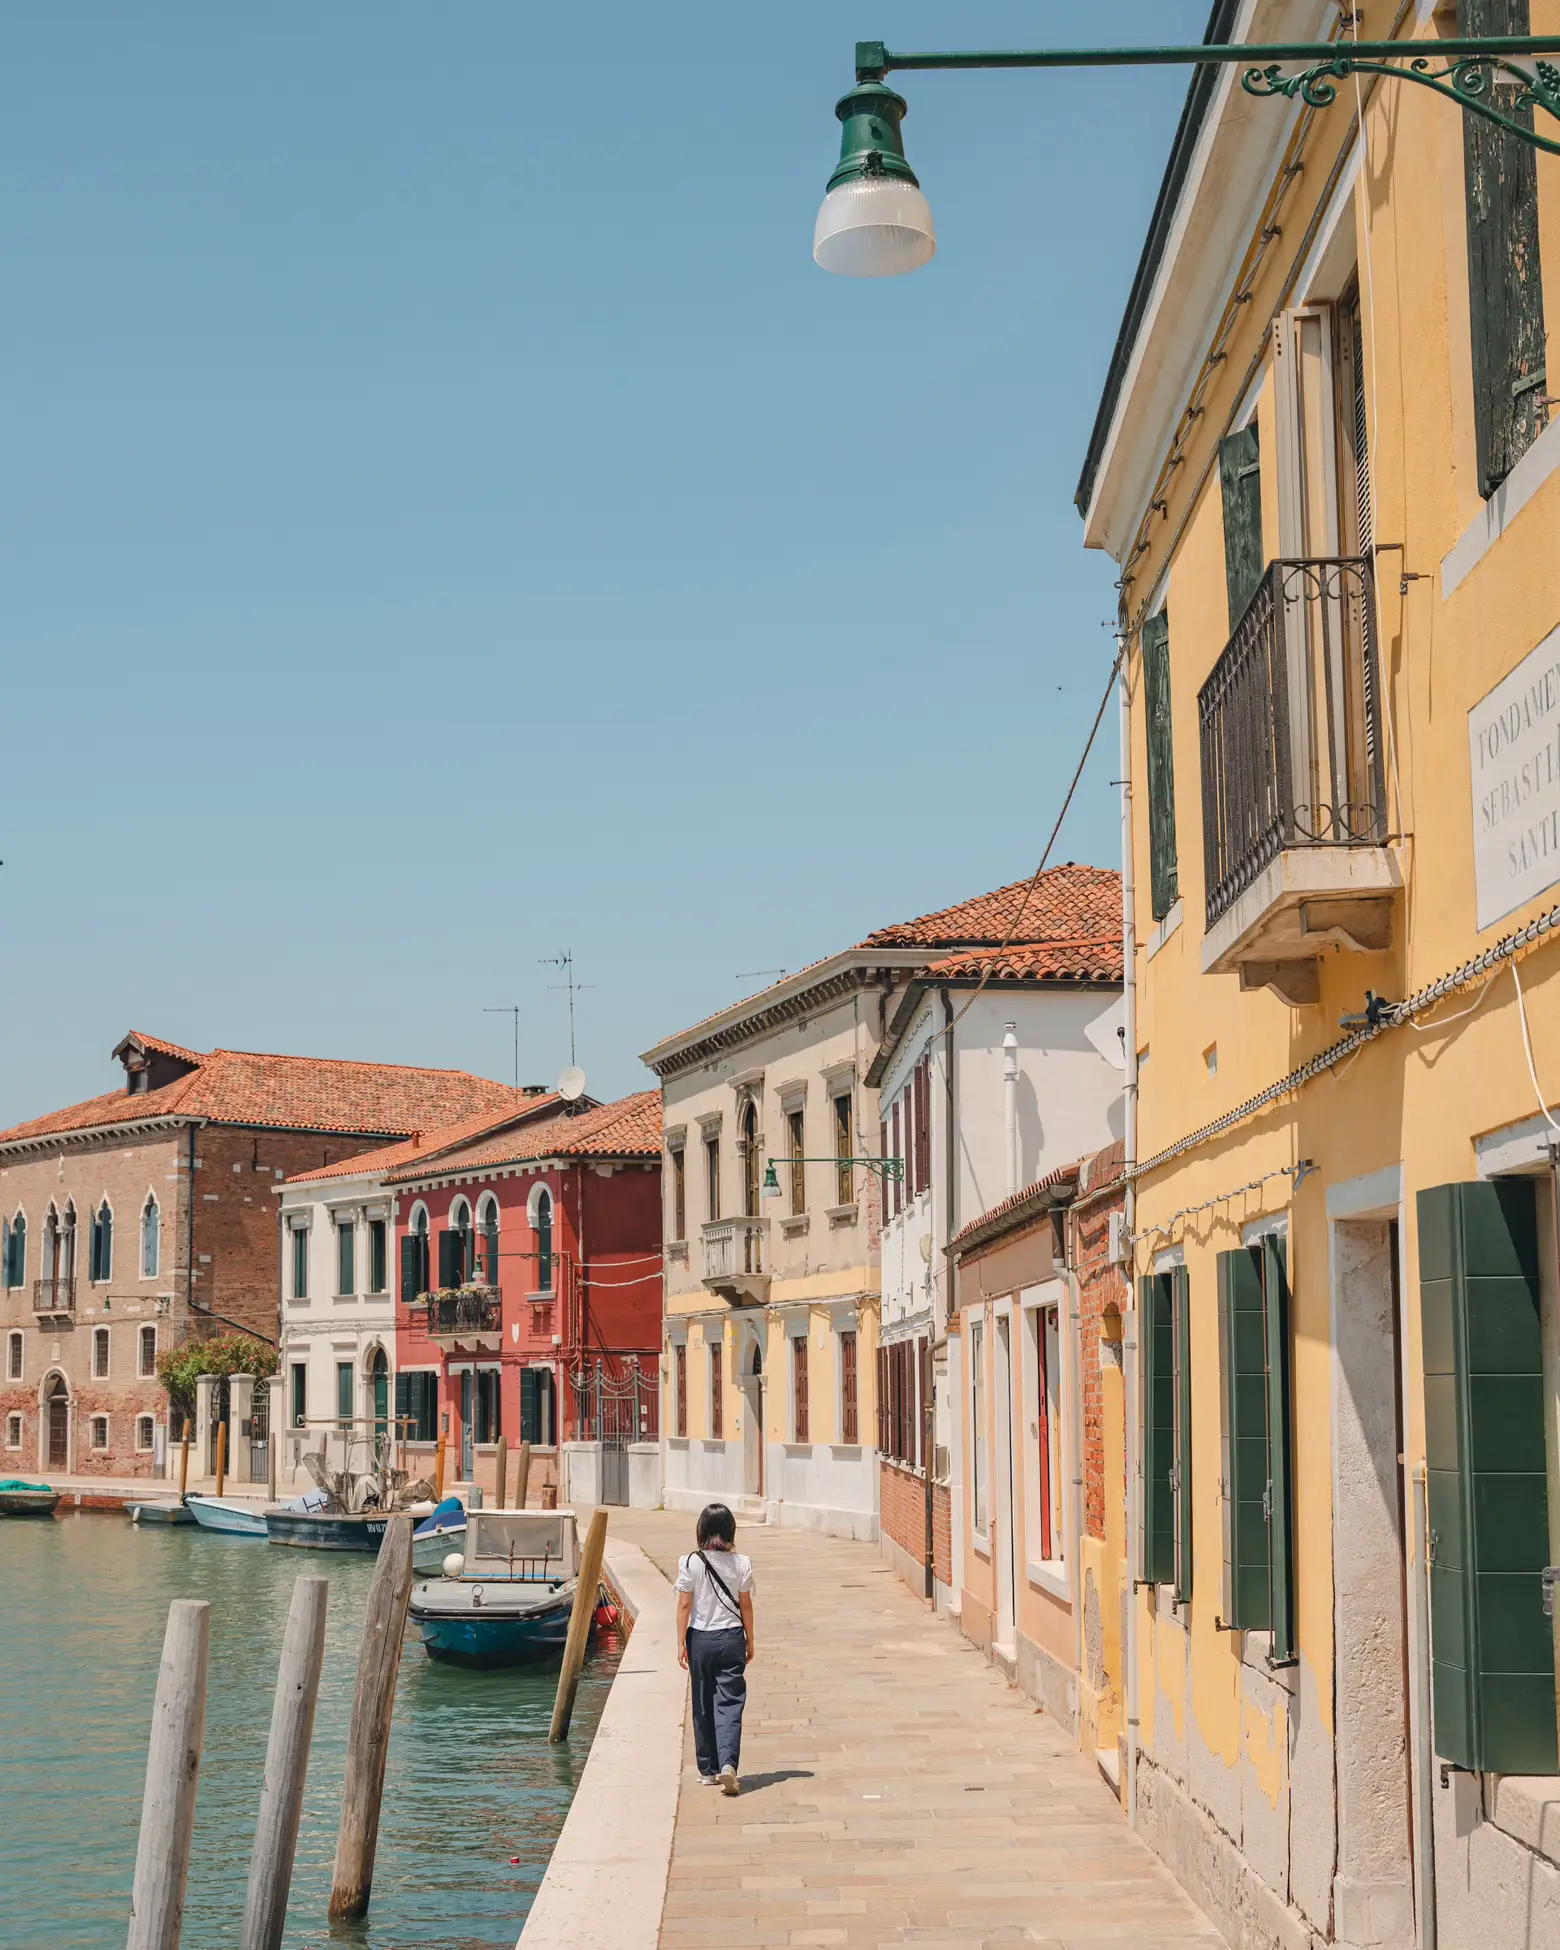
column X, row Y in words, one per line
column 1129, row 1311
column 1010, row 1104
column 1075, row 1314
column 950, row 1227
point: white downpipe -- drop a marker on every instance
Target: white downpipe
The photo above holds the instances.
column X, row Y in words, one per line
column 1129, row 1320
column 1010, row 1105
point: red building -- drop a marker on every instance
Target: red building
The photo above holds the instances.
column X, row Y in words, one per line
column 529, row 1300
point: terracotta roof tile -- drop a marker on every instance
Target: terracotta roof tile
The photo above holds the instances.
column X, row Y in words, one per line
column 1054, row 1189
column 422, row 1146
column 1069, row 901
column 1094, row 959
column 166, row 1048
column 287, row 1093
column 631, row 1127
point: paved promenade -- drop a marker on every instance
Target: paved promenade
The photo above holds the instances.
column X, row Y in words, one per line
column 895, row 1789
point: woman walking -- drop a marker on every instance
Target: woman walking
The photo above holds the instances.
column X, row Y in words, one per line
column 715, row 1643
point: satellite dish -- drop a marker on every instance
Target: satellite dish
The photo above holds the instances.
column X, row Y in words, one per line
column 571, row 1085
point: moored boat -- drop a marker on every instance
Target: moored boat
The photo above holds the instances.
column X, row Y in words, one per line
column 437, row 1535
column 510, row 1601
column 19, row 1499
column 327, row 1530
column 235, row 1516
column 166, row 1509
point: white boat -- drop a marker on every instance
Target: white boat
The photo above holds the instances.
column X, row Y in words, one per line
column 510, row 1601
column 237, row 1516
column 166, row 1509
column 439, row 1532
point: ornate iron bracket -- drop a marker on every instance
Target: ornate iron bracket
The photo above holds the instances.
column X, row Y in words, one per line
column 1470, row 81
column 1525, row 69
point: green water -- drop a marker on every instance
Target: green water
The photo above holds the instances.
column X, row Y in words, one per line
column 471, row 1781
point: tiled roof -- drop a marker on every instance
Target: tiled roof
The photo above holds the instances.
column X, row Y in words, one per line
column 305, row 1093
column 165, row 1048
column 1095, row 959
column 1054, row 1189
column 1067, row 902
column 422, row 1146
column 631, row 1128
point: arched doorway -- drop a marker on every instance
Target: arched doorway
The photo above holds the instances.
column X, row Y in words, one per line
column 753, row 1421
column 54, row 1439
column 379, row 1387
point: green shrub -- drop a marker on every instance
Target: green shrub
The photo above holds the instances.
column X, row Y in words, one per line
column 180, row 1368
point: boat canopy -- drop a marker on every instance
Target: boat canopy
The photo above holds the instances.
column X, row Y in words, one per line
column 522, row 1543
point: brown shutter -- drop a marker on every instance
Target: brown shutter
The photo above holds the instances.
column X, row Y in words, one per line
column 1164, row 885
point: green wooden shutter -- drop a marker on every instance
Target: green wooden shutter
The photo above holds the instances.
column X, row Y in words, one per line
column 530, row 1405
column 403, row 1404
column 1157, row 1561
column 1161, row 765
column 411, row 1267
column 451, row 1268
column 1246, row 1600
column 1493, row 1667
column 1280, row 1457
column 1505, row 289
column 1181, row 1475
column 1240, row 477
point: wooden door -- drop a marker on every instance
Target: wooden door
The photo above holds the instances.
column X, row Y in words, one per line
column 59, row 1432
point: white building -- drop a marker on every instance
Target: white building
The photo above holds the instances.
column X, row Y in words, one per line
column 1000, row 1067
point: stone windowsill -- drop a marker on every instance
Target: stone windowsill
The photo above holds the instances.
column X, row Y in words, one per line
column 677, row 1249
column 1527, row 1808
column 794, row 1226
column 842, row 1215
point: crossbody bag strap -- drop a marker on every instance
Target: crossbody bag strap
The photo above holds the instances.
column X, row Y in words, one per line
column 720, row 1585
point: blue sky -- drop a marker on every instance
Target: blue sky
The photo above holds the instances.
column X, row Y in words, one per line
column 447, row 517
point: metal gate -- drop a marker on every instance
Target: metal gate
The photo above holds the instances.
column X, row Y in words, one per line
column 615, row 1403
column 260, row 1434
column 219, row 1415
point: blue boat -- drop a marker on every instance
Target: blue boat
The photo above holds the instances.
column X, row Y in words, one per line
column 510, row 1601
column 443, row 1530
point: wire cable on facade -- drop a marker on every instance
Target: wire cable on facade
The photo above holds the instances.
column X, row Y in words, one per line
column 1527, row 1050
column 1162, row 1230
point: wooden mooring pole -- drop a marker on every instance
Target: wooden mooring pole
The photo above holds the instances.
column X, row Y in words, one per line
column 522, row 1474
column 579, row 1626
column 286, row 1766
column 221, row 1455
column 438, row 1470
column 162, row 1857
column 184, row 1461
column 379, row 1659
column 503, row 1471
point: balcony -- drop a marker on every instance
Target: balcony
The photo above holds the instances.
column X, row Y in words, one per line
column 54, row 1299
column 736, row 1260
column 467, row 1317
column 1293, row 781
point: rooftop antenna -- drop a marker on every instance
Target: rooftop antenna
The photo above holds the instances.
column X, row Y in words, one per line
column 565, row 961
column 512, row 1009
column 752, row 974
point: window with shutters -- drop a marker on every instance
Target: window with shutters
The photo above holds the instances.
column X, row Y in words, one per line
column 16, row 1252
column 1506, row 299
column 344, row 1395
column 1166, row 1420
column 99, row 1431
column 147, row 1364
column 300, row 1262
column 300, row 1394
column 378, row 1256
column 1492, row 1648
column 487, row 1226
column 145, row 1432
column 101, row 1247
column 712, row 1177
column 452, row 1265
column 680, row 1388
column 542, row 1226
column 151, row 1238
column 850, row 1422
column 1048, row 1432
column 100, row 1353
column 1164, row 886
column 679, row 1162
column 978, row 1426
column 488, row 1425
column 1256, row 1492
column 797, row 1147
column 13, row 1359
column 717, row 1393
column 1240, row 480
column 845, row 1187
column 799, row 1403
column 346, row 1257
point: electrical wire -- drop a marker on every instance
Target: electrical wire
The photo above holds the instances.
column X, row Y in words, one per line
column 1034, row 878
column 1527, row 1049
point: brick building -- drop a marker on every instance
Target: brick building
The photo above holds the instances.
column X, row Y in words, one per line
column 142, row 1217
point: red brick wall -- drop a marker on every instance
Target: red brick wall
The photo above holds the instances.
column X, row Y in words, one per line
column 902, row 1509
column 1100, row 1284
column 942, row 1534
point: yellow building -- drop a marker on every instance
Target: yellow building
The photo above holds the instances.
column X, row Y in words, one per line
column 1325, row 463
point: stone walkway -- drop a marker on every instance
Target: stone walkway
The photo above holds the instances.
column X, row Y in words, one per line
column 895, row 1789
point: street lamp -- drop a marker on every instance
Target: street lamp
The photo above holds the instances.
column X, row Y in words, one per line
column 875, row 222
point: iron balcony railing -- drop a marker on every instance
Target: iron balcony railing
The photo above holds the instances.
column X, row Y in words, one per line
column 472, row 1310
column 1290, row 723
column 56, row 1296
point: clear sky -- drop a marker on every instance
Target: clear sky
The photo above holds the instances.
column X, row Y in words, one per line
column 447, row 518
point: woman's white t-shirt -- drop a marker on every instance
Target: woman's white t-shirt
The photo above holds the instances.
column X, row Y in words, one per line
column 711, row 1612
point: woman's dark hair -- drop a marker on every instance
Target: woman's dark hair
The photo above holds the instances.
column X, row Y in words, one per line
column 716, row 1525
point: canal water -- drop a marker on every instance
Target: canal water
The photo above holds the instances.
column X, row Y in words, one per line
column 474, row 1796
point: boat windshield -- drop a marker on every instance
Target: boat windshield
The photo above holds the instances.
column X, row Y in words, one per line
column 521, row 1543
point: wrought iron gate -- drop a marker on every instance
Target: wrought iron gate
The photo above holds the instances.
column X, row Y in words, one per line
column 615, row 1403
column 260, row 1434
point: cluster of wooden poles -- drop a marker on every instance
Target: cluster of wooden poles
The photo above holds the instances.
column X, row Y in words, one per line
column 178, row 1730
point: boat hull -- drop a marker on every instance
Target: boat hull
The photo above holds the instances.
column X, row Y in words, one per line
column 229, row 1517
column 28, row 1503
column 166, row 1510
column 429, row 1552
column 325, row 1531
column 488, row 1638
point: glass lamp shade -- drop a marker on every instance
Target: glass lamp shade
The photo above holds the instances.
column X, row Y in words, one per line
column 874, row 227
